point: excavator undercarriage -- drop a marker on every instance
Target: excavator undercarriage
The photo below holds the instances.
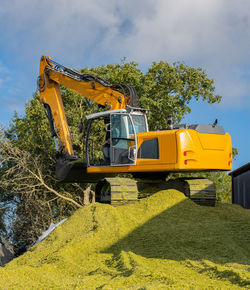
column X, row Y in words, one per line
column 119, row 191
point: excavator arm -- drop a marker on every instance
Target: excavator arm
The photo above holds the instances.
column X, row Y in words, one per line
column 52, row 74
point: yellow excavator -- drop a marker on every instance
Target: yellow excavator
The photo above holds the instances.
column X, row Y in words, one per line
column 128, row 146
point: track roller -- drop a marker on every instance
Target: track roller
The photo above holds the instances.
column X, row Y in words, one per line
column 116, row 191
column 200, row 190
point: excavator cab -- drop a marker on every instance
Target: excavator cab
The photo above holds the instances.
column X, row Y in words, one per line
column 119, row 146
column 110, row 141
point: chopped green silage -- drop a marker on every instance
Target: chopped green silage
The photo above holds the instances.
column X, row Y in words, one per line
column 162, row 241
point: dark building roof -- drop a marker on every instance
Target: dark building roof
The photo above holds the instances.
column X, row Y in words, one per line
column 240, row 170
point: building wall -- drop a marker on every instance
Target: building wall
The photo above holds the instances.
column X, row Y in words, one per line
column 241, row 189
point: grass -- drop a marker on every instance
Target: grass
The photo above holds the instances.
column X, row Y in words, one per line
column 164, row 240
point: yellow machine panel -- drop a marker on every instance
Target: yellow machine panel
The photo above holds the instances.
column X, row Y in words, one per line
column 203, row 151
column 181, row 150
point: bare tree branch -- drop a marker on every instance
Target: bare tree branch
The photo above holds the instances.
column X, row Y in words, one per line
column 25, row 173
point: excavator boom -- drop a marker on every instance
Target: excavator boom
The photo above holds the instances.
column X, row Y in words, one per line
column 52, row 74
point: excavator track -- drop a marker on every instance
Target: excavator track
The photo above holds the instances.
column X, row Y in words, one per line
column 201, row 190
column 116, row 191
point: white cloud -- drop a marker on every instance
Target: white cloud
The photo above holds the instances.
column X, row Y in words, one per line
column 214, row 34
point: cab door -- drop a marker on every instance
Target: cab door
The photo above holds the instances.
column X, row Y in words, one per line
column 123, row 140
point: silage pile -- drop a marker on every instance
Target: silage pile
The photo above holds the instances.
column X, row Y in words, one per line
column 163, row 240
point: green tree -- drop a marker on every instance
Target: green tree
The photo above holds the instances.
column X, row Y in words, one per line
column 168, row 90
column 26, row 146
column 165, row 89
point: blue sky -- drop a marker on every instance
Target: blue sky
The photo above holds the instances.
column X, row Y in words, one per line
column 212, row 34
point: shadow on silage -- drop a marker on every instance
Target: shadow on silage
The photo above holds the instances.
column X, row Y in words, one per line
column 187, row 231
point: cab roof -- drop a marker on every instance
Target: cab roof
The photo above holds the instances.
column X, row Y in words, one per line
column 128, row 110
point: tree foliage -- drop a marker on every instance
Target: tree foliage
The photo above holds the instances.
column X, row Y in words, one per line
column 165, row 89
